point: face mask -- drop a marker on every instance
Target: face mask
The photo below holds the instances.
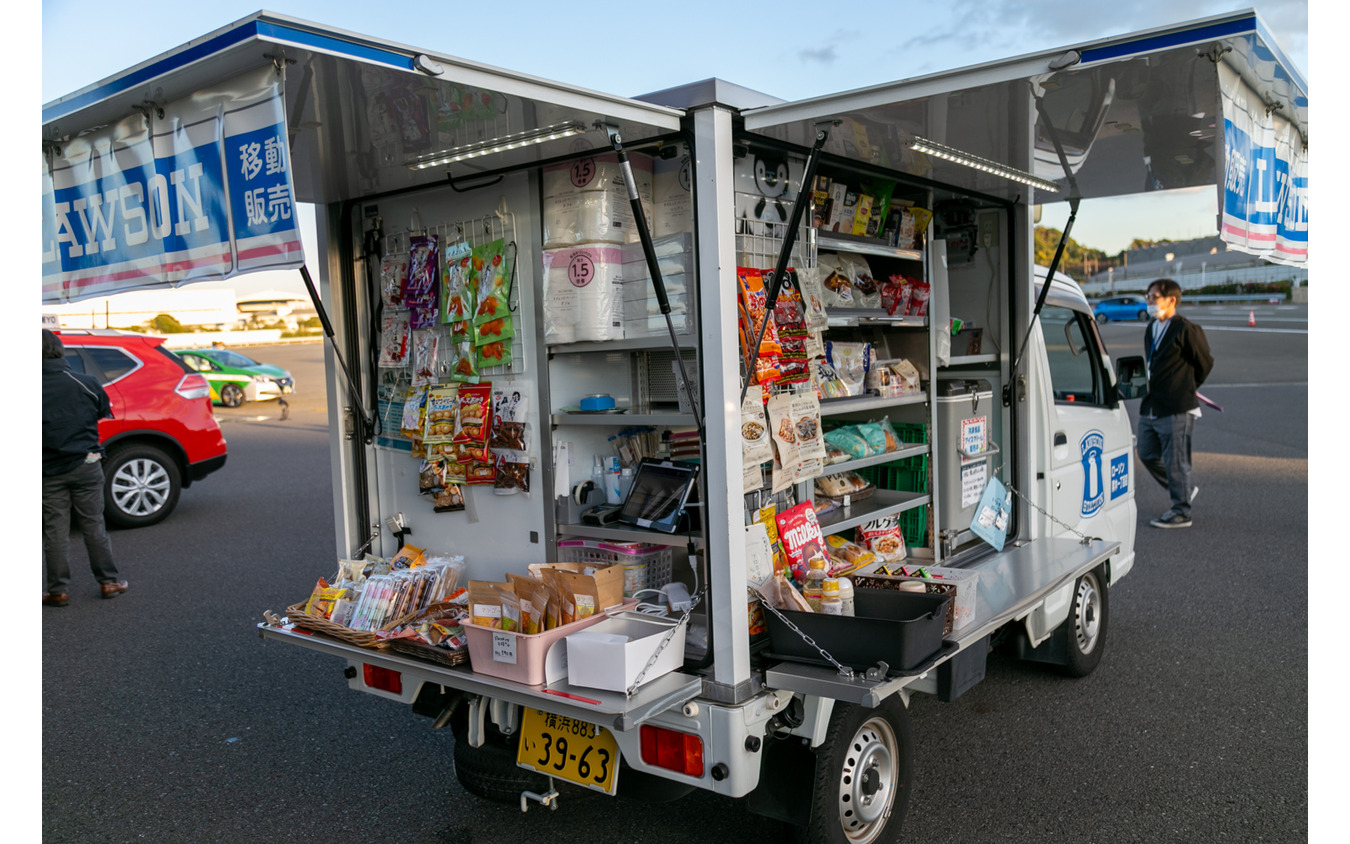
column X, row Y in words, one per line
column 1153, row 311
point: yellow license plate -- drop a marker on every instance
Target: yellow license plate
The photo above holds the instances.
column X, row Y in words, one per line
column 576, row 751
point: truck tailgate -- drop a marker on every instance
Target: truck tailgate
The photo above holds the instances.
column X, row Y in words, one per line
column 608, row 709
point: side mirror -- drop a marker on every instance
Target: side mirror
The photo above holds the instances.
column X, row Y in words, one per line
column 1131, row 377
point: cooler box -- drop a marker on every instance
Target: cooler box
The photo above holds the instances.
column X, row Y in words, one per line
column 965, row 418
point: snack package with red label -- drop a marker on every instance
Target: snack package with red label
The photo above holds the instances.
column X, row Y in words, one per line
column 474, row 418
column 918, row 298
column 802, row 540
column 393, row 275
column 884, row 538
column 895, row 295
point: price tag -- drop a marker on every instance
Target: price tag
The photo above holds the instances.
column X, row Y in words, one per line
column 504, row 648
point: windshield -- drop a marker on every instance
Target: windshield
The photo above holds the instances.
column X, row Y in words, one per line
column 227, row 358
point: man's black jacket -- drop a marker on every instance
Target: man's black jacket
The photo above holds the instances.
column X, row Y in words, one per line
column 1176, row 367
column 72, row 404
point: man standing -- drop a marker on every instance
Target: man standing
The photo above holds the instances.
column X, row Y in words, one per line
column 1178, row 361
column 72, row 474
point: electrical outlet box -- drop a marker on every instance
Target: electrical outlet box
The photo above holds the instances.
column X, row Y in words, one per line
column 988, row 237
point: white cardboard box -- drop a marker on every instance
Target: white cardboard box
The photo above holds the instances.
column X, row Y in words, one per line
column 609, row 655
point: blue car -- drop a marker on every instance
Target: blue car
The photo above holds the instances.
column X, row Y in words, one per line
column 1119, row 308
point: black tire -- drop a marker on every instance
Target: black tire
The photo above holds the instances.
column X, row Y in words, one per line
column 865, row 750
column 490, row 771
column 141, row 484
column 1143, row 316
column 231, row 395
column 1085, row 628
column 1101, row 319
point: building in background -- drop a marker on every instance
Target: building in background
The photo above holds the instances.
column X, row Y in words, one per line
column 271, row 306
column 1194, row 264
column 211, row 310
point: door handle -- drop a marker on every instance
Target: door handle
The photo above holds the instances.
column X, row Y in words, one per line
column 1060, row 438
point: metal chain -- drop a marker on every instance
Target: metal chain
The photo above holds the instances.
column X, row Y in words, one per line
column 1084, row 539
column 843, row 670
column 670, row 634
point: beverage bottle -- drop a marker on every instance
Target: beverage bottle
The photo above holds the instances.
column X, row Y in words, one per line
column 830, row 603
column 814, row 588
column 846, row 595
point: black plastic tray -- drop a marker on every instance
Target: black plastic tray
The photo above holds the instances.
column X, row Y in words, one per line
column 902, row 629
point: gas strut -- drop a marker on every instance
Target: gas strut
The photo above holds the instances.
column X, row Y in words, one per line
column 785, row 253
column 658, row 285
column 367, row 423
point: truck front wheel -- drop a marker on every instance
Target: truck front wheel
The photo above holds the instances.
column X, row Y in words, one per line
column 1085, row 627
column 862, row 776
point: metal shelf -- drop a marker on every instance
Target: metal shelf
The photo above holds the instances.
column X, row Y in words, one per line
column 628, row 535
column 623, row 419
column 878, row 459
column 966, row 360
column 854, row 317
column 865, row 246
column 881, row 503
column 658, row 342
column 854, row 404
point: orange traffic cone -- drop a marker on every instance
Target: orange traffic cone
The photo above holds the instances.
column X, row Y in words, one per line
column 1251, row 318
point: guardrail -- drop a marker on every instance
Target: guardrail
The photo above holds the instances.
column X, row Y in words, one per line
column 1233, row 297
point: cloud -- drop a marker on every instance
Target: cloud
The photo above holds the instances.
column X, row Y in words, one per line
column 823, row 55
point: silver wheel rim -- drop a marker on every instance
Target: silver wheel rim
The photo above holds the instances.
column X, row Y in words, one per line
column 140, row 487
column 231, row 396
column 1087, row 614
column 867, row 781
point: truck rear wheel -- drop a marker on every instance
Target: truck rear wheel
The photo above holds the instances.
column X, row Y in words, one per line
column 862, row 776
column 1085, row 628
column 490, row 771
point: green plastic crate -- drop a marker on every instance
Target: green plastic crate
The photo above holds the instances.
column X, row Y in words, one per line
column 914, row 525
column 908, row 475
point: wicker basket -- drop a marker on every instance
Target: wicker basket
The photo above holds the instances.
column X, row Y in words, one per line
column 418, row 650
column 317, row 624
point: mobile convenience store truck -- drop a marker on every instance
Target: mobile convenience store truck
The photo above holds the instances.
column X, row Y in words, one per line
column 628, row 229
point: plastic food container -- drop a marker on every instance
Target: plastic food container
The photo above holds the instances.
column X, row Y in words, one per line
column 902, row 629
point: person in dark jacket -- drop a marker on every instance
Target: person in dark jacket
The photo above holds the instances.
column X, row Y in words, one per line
column 72, row 474
column 1178, row 361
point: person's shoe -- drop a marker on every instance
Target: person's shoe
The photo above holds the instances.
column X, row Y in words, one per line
column 1195, row 490
column 115, row 588
column 55, row 599
column 1171, row 519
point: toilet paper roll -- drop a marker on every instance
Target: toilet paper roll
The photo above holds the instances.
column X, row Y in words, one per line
column 583, row 293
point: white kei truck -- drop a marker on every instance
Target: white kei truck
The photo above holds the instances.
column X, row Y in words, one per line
column 625, row 222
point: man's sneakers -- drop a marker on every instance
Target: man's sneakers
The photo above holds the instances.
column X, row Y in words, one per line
column 1171, row 519
column 114, row 588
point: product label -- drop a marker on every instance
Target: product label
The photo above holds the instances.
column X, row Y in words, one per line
column 504, row 648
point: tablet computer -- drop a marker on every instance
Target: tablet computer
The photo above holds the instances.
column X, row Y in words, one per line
column 658, row 495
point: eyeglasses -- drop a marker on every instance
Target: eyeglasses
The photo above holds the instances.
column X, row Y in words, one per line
column 1154, row 297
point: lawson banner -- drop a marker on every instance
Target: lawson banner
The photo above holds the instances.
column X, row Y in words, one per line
column 202, row 194
column 1264, row 194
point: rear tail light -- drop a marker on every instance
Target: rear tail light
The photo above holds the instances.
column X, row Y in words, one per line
column 385, row 679
column 672, row 750
column 193, row 386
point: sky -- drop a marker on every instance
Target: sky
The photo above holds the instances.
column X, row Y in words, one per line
column 784, row 49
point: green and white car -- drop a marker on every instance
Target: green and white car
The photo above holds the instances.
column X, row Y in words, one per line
column 237, row 378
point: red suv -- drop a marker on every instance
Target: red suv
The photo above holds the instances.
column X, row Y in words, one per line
column 162, row 436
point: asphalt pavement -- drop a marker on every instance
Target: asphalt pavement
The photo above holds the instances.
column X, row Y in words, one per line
column 166, row 718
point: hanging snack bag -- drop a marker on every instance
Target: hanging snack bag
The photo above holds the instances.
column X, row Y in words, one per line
column 394, row 339
column 422, row 289
column 414, row 414
column 753, row 305
column 473, row 419
column 426, row 345
column 441, row 407
column 884, row 538
column 489, row 263
column 756, row 442
column 802, row 539
column 393, row 275
column 457, row 299
column 464, row 362
column 779, row 413
column 497, row 353
column 805, row 412
column 510, row 477
column 494, row 330
column 813, row 299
